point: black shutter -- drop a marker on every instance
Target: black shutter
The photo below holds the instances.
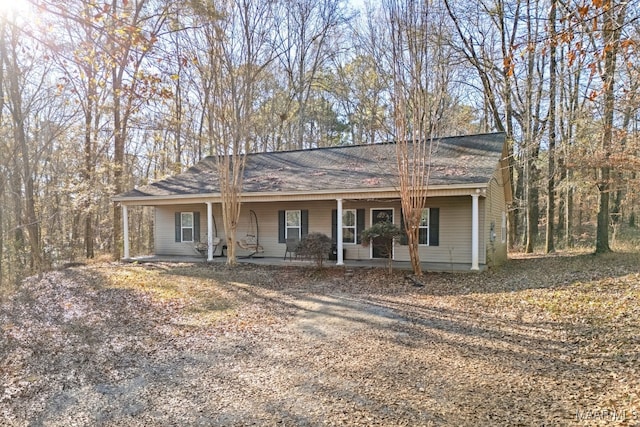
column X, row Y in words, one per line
column 304, row 223
column 434, row 226
column 404, row 240
column 359, row 225
column 178, row 228
column 281, row 227
column 334, row 225
column 196, row 226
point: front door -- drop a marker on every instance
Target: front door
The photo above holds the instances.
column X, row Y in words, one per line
column 380, row 246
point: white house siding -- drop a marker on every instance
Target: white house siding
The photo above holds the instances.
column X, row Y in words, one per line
column 455, row 227
column 267, row 214
column 455, row 233
column 495, row 207
column 165, row 243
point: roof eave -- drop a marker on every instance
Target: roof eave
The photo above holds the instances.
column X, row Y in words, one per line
column 446, row 190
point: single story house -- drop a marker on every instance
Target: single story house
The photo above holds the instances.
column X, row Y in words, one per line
column 340, row 191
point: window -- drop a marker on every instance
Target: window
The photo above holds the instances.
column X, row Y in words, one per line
column 186, row 226
column 352, row 225
column 293, row 224
column 429, row 228
column 423, row 228
column 503, row 229
column 349, row 226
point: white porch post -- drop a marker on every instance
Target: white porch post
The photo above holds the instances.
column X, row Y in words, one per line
column 339, row 233
column 475, row 231
column 125, row 230
column 209, row 231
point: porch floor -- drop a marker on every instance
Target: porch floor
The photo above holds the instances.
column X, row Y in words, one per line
column 278, row 261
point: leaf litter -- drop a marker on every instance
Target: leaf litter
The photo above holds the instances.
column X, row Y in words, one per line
column 542, row 341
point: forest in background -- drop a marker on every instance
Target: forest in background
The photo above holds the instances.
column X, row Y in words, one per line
column 101, row 96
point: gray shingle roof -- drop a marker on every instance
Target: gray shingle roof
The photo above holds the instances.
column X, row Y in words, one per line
column 456, row 160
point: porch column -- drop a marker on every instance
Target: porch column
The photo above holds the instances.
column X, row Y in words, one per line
column 209, row 231
column 125, row 230
column 475, row 231
column 339, row 234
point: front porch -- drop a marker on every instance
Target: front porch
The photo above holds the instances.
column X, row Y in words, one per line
column 453, row 240
column 436, row 267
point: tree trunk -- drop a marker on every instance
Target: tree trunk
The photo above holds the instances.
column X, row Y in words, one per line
column 507, row 43
column 118, row 165
column 549, row 245
column 88, row 171
column 533, row 210
column 611, row 37
column 118, row 146
column 2, row 184
column 414, row 253
column 602, row 230
column 20, row 137
column 568, row 219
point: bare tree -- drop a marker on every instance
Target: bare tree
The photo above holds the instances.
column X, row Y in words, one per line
column 571, row 111
column 417, row 95
column 4, row 170
column 551, row 200
column 76, row 45
column 238, row 35
column 613, row 23
column 307, row 41
column 479, row 27
column 132, row 31
column 598, row 31
column 10, row 52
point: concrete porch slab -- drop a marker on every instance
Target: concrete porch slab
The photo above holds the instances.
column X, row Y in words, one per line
column 273, row 261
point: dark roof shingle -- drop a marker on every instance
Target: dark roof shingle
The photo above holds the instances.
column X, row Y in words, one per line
column 456, row 160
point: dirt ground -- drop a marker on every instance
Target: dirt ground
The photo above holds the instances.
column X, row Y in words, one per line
column 542, row 341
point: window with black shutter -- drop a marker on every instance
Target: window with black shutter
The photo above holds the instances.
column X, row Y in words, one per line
column 187, row 226
column 292, row 224
column 429, row 228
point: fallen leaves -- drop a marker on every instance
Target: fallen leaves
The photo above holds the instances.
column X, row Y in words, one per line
column 195, row 344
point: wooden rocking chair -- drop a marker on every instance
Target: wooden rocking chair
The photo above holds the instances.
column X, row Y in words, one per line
column 250, row 243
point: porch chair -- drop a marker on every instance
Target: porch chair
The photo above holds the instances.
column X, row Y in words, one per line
column 202, row 248
column 291, row 248
column 250, row 243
